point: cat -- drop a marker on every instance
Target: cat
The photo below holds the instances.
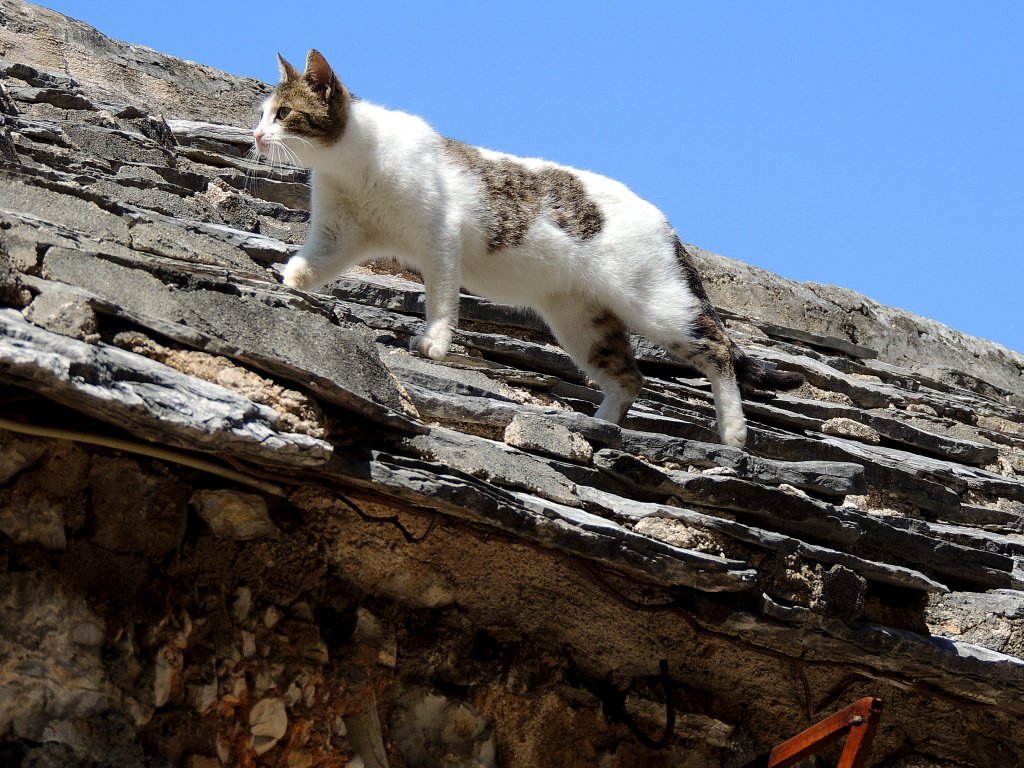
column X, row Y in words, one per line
column 582, row 250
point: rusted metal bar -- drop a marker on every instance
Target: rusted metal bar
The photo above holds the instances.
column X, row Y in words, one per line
column 859, row 720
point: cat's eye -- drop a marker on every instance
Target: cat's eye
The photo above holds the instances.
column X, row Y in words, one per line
column 283, row 112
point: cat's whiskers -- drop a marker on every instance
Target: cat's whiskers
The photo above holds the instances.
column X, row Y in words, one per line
column 254, row 156
column 292, row 154
column 273, row 159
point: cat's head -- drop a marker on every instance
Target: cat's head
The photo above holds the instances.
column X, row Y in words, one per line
column 306, row 113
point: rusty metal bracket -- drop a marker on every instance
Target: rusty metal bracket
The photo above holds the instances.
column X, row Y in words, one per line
column 859, row 720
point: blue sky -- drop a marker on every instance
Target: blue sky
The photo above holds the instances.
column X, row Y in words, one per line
column 874, row 145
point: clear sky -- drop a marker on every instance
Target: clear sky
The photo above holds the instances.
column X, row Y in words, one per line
column 876, row 145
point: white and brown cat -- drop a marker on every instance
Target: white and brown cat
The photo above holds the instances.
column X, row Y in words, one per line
column 582, row 250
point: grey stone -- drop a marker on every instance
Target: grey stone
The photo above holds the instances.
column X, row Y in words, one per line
column 899, row 337
column 792, row 514
column 532, row 432
column 235, row 515
column 843, row 427
column 865, row 392
column 1010, row 544
column 725, row 528
column 268, row 723
column 824, row 477
column 930, row 483
column 195, row 132
column 283, row 343
column 492, row 412
column 812, row 519
column 992, row 619
column 397, row 294
column 966, row 451
column 493, row 462
column 63, row 313
column 148, row 398
column 830, row 343
column 68, row 48
column 446, row 378
column 903, row 475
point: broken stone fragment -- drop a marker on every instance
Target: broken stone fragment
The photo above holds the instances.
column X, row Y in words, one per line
column 63, row 313
column 424, row 724
column 88, row 634
column 376, row 637
column 167, row 674
column 235, row 515
column 268, row 723
column 17, row 455
column 531, row 432
column 202, row 696
column 841, row 593
column 843, row 427
column 38, row 521
column 242, row 605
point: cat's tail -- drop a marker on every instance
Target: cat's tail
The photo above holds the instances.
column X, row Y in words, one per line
column 755, row 375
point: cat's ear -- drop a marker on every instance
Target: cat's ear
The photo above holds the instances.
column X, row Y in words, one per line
column 288, row 72
column 320, row 75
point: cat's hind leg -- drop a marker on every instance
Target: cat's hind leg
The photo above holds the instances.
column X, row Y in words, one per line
column 707, row 347
column 598, row 342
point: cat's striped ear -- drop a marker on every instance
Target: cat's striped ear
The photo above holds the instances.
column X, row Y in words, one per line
column 288, row 72
column 319, row 74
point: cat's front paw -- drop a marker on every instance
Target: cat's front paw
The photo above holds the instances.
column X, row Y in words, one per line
column 428, row 347
column 297, row 274
column 735, row 436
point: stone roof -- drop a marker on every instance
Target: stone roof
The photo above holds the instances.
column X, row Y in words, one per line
column 869, row 541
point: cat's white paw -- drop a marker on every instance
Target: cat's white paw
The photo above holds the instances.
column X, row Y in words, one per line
column 736, row 436
column 428, row 347
column 297, row 274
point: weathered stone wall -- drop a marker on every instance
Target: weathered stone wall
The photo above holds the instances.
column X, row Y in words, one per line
column 143, row 630
column 241, row 525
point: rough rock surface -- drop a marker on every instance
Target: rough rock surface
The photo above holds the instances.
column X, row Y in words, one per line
column 241, row 525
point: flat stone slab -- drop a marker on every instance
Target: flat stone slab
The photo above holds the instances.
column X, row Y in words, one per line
column 147, row 398
column 831, row 478
column 493, row 462
column 336, row 364
column 882, row 573
column 551, row 525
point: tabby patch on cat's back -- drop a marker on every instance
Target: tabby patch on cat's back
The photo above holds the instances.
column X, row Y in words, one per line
column 517, row 195
column 587, row 254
